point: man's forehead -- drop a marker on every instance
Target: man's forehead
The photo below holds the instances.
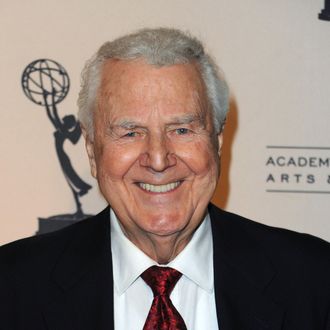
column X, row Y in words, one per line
column 135, row 86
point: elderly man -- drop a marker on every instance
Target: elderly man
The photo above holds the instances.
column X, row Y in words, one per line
column 152, row 109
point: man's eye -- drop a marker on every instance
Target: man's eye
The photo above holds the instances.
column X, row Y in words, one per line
column 182, row 131
column 130, row 134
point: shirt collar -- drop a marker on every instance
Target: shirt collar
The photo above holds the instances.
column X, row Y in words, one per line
column 195, row 261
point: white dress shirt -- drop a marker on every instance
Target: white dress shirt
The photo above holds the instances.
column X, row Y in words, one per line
column 193, row 296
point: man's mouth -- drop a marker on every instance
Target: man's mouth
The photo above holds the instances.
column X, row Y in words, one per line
column 159, row 188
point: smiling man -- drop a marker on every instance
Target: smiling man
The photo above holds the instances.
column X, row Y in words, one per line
column 153, row 152
column 152, row 108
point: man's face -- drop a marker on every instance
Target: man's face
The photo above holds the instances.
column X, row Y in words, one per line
column 154, row 152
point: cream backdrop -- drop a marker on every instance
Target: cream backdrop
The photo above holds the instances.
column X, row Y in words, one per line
column 276, row 56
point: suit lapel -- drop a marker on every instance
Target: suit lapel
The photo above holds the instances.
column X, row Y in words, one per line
column 82, row 293
column 241, row 273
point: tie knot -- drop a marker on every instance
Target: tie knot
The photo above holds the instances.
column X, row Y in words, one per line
column 161, row 279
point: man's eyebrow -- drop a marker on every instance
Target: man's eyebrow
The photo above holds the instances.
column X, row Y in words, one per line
column 125, row 123
column 186, row 119
column 178, row 120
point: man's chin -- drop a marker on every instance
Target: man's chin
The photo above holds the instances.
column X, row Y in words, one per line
column 163, row 226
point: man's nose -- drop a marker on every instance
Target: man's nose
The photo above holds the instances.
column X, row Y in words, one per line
column 158, row 154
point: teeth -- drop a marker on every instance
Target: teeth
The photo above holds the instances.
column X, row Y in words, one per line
column 162, row 188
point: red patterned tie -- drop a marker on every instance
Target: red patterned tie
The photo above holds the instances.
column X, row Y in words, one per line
column 162, row 315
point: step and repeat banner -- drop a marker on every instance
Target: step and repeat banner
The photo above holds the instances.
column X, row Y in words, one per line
column 276, row 154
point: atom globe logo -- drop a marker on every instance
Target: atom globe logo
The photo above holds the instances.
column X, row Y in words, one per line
column 43, row 78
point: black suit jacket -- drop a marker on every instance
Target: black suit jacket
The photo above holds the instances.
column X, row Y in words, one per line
column 265, row 278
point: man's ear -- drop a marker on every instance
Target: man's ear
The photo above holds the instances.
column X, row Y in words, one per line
column 220, row 141
column 89, row 144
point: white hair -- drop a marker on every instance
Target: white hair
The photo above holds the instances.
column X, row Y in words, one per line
column 158, row 47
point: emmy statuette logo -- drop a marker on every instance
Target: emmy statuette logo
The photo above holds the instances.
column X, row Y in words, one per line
column 46, row 83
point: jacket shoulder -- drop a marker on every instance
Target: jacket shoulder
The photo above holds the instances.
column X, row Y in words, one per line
column 36, row 252
column 283, row 246
column 290, row 270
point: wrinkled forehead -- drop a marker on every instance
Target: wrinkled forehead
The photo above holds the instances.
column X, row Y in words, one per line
column 127, row 83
